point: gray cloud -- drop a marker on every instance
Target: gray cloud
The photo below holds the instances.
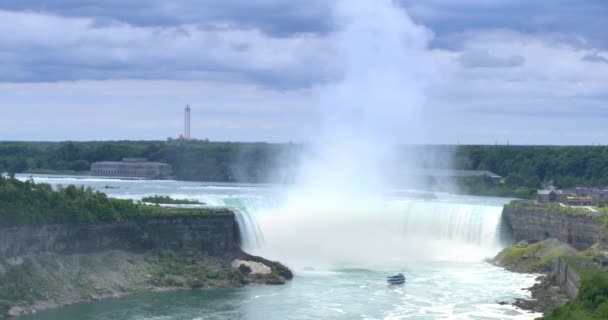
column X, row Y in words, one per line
column 193, row 39
column 486, row 60
column 594, row 57
column 580, row 23
column 276, row 17
column 246, row 64
column 49, row 48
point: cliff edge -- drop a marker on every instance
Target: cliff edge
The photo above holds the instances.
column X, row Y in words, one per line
column 46, row 266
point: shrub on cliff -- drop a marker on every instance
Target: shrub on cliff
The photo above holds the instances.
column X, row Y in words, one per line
column 591, row 302
column 168, row 200
column 26, row 202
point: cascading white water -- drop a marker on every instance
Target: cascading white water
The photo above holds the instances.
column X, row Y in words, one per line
column 382, row 233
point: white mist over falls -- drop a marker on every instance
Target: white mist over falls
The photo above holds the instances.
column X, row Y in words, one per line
column 338, row 213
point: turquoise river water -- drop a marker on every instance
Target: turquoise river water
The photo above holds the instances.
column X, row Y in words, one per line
column 340, row 256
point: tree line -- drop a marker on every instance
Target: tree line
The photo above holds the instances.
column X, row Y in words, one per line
column 523, row 168
column 197, row 161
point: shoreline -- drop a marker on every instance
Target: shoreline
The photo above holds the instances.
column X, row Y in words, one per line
column 64, row 280
column 536, row 259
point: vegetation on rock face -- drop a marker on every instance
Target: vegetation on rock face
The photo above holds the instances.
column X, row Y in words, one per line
column 190, row 269
column 548, row 207
column 537, row 257
column 19, row 285
column 168, row 200
column 60, row 279
column 26, row 202
column 591, row 302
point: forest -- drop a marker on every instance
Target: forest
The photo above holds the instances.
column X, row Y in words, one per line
column 196, row 161
column 524, row 168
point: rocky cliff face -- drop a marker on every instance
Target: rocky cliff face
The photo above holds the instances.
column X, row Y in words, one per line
column 47, row 266
column 216, row 235
column 567, row 278
column 529, row 223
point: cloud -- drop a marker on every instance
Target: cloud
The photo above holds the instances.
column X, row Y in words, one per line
column 580, row 23
column 276, row 44
column 274, row 17
column 499, row 64
column 594, row 57
column 38, row 47
column 487, row 60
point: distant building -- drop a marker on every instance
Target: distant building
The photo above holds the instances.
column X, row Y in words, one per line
column 132, row 168
column 579, row 196
column 548, row 195
column 452, row 176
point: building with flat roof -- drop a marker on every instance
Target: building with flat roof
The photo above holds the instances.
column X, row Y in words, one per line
column 579, row 196
column 450, row 175
column 132, row 168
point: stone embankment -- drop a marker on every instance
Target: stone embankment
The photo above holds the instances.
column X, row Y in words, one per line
column 48, row 266
column 566, row 278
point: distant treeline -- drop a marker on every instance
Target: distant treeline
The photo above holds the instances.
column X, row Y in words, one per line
column 523, row 167
column 531, row 167
column 199, row 161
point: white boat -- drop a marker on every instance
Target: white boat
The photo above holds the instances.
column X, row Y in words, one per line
column 396, row 279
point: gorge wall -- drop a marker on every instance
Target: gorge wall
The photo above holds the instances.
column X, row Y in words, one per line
column 216, row 234
column 529, row 222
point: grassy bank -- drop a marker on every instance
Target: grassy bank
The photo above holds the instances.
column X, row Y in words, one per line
column 168, row 200
column 533, row 258
column 592, row 300
column 49, row 280
column 27, row 202
column 548, row 207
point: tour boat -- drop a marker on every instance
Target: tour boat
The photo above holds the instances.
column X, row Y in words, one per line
column 396, row 279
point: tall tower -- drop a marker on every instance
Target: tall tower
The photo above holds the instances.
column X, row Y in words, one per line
column 187, row 123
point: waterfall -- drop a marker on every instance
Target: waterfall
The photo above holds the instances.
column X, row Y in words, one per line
column 375, row 233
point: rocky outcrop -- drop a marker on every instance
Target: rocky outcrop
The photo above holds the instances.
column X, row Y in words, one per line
column 535, row 223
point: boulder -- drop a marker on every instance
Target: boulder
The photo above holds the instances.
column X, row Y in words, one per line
column 256, row 267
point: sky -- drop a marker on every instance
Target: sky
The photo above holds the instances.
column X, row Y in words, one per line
column 505, row 71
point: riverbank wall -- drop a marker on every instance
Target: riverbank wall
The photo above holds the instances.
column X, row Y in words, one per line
column 567, row 278
column 48, row 266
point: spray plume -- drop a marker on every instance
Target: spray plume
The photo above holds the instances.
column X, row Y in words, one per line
column 375, row 103
column 336, row 214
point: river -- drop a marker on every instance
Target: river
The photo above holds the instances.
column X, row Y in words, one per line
column 340, row 258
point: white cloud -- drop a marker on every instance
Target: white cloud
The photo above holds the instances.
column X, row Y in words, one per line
column 39, row 47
